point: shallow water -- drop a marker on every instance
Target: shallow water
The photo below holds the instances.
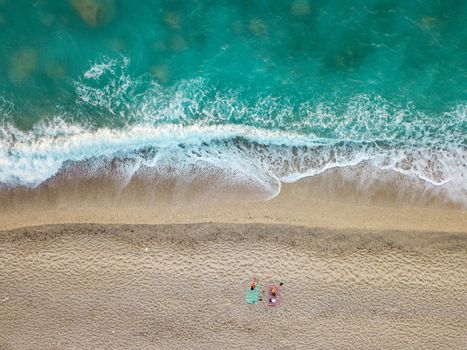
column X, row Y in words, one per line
column 256, row 91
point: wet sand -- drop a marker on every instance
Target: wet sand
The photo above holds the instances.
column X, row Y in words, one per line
column 333, row 200
column 182, row 287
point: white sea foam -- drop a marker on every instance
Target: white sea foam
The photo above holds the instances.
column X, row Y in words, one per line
column 246, row 153
column 106, row 66
column 190, row 126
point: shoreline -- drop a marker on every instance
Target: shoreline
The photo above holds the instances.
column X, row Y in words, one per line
column 330, row 201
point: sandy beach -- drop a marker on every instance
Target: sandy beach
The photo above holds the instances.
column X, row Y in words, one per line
column 110, row 269
column 183, row 287
column 333, row 200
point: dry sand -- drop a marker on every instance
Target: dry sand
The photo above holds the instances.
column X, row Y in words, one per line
column 182, row 287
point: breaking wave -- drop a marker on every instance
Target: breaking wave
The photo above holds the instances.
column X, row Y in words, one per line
column 189, row 128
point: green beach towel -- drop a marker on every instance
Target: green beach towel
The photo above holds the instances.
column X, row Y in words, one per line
column 252, row 295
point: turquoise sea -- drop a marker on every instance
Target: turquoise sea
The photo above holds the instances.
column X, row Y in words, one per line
column 259, row 92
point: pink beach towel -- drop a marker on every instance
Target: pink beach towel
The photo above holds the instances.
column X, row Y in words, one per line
column 274, row 300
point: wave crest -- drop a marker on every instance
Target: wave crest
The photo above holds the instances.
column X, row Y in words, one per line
column 241, row 154
column 191, row 128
